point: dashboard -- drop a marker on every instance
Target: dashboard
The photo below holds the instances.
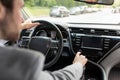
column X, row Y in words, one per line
column 98, row 42
column 95, row 41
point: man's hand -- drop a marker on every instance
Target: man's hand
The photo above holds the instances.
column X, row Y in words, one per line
column 28, row 24
column 80, row 59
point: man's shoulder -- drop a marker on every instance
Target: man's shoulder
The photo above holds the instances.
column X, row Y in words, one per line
column 19, row 54
column 15, row 62
column 20, row 51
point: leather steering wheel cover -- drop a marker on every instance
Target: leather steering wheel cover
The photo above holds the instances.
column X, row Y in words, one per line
column 60, row 47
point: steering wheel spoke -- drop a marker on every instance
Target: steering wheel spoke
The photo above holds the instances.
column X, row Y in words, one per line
column 54, row 44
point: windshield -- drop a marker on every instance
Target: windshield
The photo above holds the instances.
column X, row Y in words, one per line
column 73, row 12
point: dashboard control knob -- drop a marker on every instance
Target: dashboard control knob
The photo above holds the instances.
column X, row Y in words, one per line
column 100, row 53
column 118, row 32
column 92, row 30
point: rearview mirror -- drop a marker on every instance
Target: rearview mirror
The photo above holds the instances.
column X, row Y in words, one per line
column 105, row 2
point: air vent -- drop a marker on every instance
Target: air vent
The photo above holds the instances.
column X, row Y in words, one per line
column 86, row 31
column 94, row 31
column 112, row 33
column 99, row 32
column 74, row 30
column 105, row 32
column 80, row 30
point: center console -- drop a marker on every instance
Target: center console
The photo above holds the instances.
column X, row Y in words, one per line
column 94, row 43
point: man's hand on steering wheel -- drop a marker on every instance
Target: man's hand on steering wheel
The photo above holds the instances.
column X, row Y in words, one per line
column 27, row 24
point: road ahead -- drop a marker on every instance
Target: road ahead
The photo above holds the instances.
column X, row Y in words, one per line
column 97, row 17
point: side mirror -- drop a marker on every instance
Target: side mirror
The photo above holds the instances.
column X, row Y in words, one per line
column 104, row 2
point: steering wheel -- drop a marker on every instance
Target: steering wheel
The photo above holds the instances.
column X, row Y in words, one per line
column 51, row 48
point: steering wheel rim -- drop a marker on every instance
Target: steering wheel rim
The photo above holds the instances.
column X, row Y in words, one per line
column 60, row 47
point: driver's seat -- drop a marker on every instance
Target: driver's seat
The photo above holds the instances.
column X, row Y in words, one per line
column 20, row 64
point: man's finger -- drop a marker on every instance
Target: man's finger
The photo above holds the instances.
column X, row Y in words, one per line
column 35, row 24
column 31, row 25
column 78, row 53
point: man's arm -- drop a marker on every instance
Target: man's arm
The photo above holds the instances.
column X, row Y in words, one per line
column 21, row 64
column 71, row 72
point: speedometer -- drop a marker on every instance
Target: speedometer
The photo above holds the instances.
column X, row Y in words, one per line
column 41, row 33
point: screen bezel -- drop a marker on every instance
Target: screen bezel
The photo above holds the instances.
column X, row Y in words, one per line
column 92, row 47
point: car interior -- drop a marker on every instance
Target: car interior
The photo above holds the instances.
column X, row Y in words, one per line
column 60, row 40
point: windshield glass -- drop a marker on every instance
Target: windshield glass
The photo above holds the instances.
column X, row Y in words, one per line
column 73, row 12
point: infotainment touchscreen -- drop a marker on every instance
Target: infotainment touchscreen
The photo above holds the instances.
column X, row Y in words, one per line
column 92, row 42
